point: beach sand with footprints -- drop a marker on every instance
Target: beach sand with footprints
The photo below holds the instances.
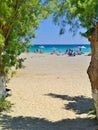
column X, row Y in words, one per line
column 51, row 93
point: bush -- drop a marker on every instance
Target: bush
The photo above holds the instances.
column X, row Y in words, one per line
column 4, row 105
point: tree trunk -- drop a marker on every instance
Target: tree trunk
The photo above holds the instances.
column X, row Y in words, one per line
column 2, row 79
column 93, row 67
column 3, row 92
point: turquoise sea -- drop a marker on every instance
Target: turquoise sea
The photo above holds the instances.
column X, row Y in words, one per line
column 62, row 48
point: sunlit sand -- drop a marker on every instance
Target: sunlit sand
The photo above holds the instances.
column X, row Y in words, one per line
column 54, row 91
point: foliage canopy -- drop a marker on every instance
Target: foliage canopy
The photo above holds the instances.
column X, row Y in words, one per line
column 18, row 21
column 76, row 13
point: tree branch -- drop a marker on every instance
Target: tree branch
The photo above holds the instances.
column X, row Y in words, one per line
column 7, row 30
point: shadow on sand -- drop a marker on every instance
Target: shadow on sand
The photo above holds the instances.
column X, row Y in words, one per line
column 78, row 104
column 30, row 123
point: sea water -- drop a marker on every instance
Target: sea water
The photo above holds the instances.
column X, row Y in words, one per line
column 60, row 48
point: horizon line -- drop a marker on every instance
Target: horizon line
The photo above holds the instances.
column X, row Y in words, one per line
column 63, row 44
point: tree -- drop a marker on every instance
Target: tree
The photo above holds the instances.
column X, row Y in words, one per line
column 18, row 21
column 81, row 13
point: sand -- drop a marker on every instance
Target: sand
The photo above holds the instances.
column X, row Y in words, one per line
column 51, row 93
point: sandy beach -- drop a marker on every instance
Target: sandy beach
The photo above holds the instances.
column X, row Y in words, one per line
column 51, row 93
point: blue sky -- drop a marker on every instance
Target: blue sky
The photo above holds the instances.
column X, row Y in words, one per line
column 48, row 33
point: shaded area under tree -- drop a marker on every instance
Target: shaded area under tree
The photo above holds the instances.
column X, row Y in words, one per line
column 30, row 123
column 37, row 123
column 79, row 104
